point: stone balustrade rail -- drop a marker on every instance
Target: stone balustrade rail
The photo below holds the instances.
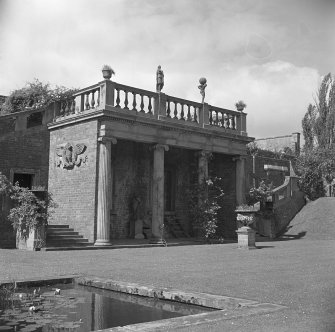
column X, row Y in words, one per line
column 118, row 97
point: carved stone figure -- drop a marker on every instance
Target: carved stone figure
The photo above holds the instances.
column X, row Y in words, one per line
column 159, row 79
column 202, row 87
column 70, row 155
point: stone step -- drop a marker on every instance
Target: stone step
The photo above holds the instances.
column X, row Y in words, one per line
column 61, row 232
column 68, row 240
column 64, row 237
column 60, row 246
column 58, row 226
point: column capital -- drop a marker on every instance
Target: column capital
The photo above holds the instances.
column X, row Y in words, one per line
column 239, row 158
column 204, row 154
column 104, row 139
column 160, row 147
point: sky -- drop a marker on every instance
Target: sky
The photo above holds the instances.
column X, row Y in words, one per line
column 272, row 54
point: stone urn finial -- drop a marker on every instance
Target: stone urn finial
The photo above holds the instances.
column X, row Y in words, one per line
column 240, row 105
column 202, row 87
column 107, row 72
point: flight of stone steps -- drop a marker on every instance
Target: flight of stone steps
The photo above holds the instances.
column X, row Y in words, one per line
column 62, row 236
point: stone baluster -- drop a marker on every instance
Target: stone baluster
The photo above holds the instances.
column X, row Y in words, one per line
column 217, row 122
column 182, row 112
column 150, row 106
column 104, row 191
column 225, row 119
column 211, row 117
column 195, row 117
column 189, row 117
column 73, row 106
column 142, row 104
column 175, row 111
column 232, row 122
column 87, row 103
column 168, row 110
column 92, row 100
column 158, row 194
column 117, row 98
column 126, row 101
column 134, row 102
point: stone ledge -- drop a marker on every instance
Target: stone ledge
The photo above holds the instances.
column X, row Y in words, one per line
column 228, row 307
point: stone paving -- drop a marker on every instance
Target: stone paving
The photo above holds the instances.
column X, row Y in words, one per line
column 298, row 274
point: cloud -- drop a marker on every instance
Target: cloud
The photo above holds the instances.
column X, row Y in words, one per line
column 277, row 94
column 267, row 53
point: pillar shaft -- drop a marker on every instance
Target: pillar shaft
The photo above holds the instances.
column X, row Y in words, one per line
column 203, row 166
column 158, row 194
column 104, row 193
column 240, row 180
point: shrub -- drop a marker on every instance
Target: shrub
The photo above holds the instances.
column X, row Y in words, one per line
column 259, row 194
column 35, row 95
column 204, row 204
column 29, row 211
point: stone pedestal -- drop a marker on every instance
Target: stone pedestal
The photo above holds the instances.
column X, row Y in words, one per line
column 158, row 194
column 246, row 237
column 104, row 193
column 35, row 240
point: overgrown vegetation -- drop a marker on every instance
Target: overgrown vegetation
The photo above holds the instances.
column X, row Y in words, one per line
column 35, row 95
column 259, row 194
column 29, row 212
column 205, row 201
column 316, row 164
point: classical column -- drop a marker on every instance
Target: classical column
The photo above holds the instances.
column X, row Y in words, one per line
column 203, row 166
column 158, row 194
column 240, row 180
column 104, row 191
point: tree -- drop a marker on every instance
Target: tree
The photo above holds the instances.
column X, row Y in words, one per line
column 319, row 120
column 316, row 164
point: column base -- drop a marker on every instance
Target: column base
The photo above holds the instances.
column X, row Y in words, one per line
column 102, row 243
column 157, row 241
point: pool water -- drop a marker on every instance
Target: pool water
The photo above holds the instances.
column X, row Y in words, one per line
column 80, row 308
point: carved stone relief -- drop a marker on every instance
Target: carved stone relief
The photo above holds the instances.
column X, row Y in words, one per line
column 71, row 155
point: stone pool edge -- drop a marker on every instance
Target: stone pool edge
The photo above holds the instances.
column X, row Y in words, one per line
column 227, row 307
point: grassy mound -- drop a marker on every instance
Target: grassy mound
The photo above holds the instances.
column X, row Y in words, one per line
column 316, row 220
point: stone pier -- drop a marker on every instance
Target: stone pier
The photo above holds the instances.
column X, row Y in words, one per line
column 158, row 194
column 104, row 192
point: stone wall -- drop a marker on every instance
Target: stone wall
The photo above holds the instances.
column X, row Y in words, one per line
column 24, row 151
column 74, row 189
column 132, row 169
column 132, row 177
column 279, row 143
column 276, row 177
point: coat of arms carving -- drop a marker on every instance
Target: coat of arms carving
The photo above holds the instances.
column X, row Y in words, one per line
column 71, row 155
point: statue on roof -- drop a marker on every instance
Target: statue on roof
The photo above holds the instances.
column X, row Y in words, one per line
column 159, row 79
